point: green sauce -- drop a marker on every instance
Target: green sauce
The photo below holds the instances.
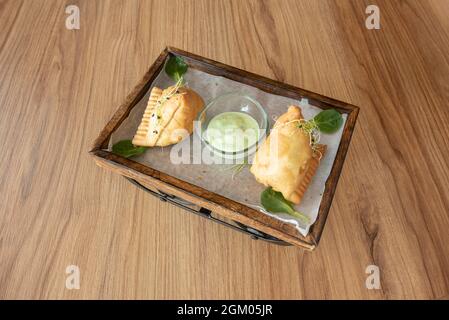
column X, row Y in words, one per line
column 232, row 131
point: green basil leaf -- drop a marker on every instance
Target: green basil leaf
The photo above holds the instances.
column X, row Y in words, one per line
column 126, row 149
column 328, row 121
column 175, row 67
column 275, row 202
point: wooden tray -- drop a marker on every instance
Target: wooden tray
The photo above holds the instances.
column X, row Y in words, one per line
column 202, row 201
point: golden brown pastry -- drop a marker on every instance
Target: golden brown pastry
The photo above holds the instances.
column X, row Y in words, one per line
column 168, row 111
column 285, row 160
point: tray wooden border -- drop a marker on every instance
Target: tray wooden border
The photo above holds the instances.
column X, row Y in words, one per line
column 212, row 201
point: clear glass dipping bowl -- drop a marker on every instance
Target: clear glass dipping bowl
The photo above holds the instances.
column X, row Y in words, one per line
column 233, row 102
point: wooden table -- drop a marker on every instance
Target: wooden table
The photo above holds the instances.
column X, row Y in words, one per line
column 59, row 87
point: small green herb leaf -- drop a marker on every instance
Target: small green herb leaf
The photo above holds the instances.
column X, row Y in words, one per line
column 175, row 67
column 328, row 121
column 275, row 202
column 126, row 149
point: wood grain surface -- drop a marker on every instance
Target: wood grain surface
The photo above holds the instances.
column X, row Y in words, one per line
column 59, row 87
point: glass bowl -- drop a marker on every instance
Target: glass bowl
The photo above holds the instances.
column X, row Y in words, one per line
column 233, row 102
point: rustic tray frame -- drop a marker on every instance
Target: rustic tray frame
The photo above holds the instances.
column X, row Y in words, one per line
column 212, row 201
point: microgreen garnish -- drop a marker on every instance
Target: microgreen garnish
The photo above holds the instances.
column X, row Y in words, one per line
column 275, row 202
column 176, row 67
column 166, row 96
column 311, row 128
column 327, row 121
column 126, row 149
column 237, row 168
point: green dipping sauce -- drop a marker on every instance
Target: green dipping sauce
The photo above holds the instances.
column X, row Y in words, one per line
column 232, row 131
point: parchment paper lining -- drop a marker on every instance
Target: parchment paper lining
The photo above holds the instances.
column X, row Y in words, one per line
column 216, row 178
